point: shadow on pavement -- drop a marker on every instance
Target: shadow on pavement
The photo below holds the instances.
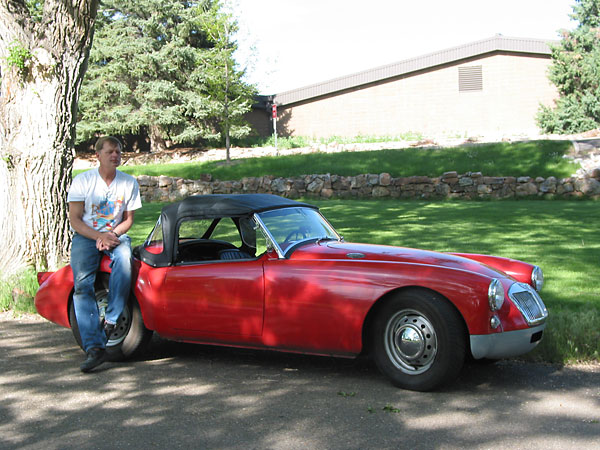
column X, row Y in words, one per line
column 192, row 396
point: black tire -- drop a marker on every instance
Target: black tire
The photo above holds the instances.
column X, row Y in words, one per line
column 433, row 345
column 129, row 337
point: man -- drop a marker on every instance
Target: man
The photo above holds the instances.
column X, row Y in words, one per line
column 102, row 202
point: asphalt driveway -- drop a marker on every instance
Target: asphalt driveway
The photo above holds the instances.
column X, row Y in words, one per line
column 190, row 396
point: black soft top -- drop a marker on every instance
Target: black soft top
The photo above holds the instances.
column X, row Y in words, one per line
column 210, row 207
column 226, row 205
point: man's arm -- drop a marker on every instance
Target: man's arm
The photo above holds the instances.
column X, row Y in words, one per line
column 109, row 240
column 125, row 224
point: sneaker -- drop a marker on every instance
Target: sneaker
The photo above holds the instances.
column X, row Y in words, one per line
column 95, row 357
column 109, row 329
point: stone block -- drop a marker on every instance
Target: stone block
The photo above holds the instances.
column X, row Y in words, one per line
column 380, row 191
column 372, row 179
column 526, row 189
column 278, row 185
column 358, row 181
column 385, row 179
column 449, row 175
column 484, row 189
column 315, row 186
column 442, row 189
column 588, row 186
column 548, row 186
column 164, row 181
column 327, row 192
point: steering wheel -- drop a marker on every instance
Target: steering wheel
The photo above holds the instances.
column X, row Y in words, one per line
column 297, row 234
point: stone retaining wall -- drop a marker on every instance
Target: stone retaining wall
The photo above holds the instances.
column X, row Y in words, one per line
column 449, row 185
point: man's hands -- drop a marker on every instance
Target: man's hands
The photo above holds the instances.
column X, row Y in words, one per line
column 107, row 241
column 104, row 241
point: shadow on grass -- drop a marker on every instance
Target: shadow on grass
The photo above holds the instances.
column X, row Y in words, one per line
column 559, row 236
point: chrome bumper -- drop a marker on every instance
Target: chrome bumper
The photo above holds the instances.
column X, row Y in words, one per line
column 506, row 344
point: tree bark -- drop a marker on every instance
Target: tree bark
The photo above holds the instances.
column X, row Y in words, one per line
column 227, row 145
column 157, row 142
column 226, row 108
column 38, row 107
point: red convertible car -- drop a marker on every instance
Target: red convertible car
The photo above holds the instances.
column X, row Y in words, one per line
column 262, row 271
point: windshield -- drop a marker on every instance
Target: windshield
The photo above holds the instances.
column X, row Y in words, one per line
column 291, row 225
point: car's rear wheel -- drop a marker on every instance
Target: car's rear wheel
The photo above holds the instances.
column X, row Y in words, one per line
column 130, row 335
column 419, row 340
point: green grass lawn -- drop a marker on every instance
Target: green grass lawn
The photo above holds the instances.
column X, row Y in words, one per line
column 535, row 158
column 551, row 234
column 560, row 236
column 304, row 141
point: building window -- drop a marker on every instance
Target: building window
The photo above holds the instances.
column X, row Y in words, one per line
column 470, row 78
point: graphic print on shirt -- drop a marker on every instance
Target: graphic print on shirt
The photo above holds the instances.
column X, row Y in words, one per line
column 103, row 215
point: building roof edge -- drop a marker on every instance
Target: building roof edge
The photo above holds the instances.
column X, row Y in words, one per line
column 423, row 62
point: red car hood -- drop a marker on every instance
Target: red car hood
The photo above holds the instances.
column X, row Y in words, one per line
column 368, row 252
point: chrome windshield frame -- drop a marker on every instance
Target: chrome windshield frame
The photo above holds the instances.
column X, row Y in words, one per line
column 280, row 253
column 268, row 235
column 340, row 238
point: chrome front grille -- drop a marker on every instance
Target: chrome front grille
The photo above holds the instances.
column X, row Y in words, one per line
column 528, row 301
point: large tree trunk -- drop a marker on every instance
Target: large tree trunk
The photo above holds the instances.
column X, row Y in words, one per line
column 37, row 125
column 157, row 142
column 227, row 144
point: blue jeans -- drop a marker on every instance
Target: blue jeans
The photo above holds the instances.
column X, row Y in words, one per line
column 85, row 260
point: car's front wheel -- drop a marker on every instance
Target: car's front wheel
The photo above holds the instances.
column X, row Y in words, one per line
column 419, row 340
column 130, row 335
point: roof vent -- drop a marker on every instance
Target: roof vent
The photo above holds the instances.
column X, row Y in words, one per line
column 470, row 78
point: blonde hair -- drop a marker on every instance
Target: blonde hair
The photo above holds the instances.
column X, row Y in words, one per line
column 113, row 140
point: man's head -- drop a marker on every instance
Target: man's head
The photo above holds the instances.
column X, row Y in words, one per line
column 108, row 150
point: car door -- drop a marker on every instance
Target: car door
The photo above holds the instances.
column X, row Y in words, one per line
column 210, row 297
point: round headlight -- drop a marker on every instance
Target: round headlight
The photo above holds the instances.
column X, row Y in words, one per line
column 496, row 295
column 537, row 278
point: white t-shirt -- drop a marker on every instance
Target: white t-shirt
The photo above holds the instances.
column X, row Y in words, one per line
column 104, row 205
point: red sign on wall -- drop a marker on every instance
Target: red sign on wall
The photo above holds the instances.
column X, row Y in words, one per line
column 274, row 110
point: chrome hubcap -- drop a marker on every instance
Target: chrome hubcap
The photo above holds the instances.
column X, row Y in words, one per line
column 410, row 342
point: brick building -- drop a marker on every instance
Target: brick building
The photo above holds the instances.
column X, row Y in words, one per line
column 489, row 87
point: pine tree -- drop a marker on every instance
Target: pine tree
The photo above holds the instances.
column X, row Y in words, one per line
column 230, row 97
column 576, row 73
column 148, row 71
